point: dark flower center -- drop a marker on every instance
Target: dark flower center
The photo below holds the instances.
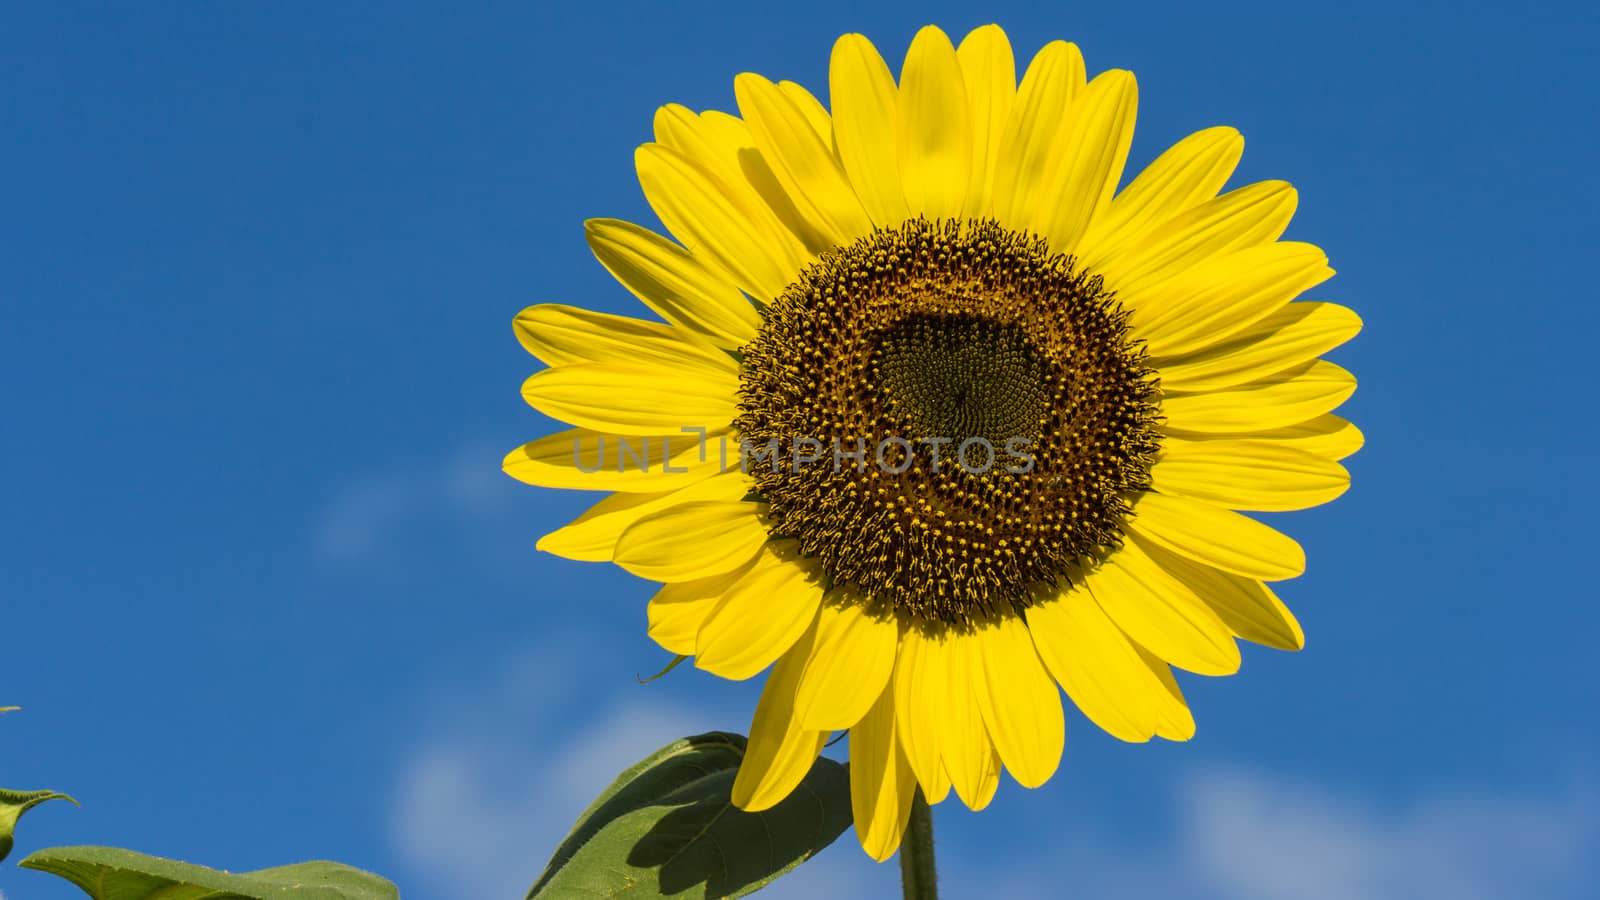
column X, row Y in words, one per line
column 947, row 416
column 959, row 376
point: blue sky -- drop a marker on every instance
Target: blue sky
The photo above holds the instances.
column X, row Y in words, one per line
column 266, row 596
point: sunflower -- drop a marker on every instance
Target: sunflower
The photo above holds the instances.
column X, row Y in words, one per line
column 937, row 419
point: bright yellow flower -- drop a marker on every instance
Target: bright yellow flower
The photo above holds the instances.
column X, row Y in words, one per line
column 945, row 266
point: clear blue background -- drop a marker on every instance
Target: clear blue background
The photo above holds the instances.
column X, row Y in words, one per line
column 266, row 596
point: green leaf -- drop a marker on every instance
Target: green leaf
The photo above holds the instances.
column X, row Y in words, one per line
column 14, row 803
column 667, row 827
column 106, row 873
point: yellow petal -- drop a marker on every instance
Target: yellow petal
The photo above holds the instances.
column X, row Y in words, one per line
column 703, row 213
column 562, row 335
column 1264, row 476
column 780, row 753
column 989, row 785
column 1289, row 337
column 1329, row 436
column 939, row 789
column 1224, row 296
column 970, row 758
column 1251, row 215
column 1019, row 702
column 935, row 134
column 921, row 673
column 592, row 537
column 1098, row 666
column 1029, row 147
column 1217, row 537
column 1176, row 722
column 864, row 113
column 850, row 663
column 881, row 782
column 641, row 401
column 581, row 459
column 1161, row 613
column 1094, row 149
column 761, row 615
column 990, row 73
column 1189, row 173
column 721, row 146
column 692, row 540
column 1289, row 398
column 802, row 162
column 976, row 787
column 730, row 136
column 678, row 611
column 1250, row 609
column 669, row 280
column 812, row 109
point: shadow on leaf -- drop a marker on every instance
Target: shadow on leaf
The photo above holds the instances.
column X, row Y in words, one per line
column 668, row 825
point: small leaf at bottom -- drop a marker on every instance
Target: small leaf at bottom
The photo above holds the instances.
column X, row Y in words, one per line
column 667, row 827
column 106, row 873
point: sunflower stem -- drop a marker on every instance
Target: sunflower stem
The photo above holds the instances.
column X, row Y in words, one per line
column 918, row 880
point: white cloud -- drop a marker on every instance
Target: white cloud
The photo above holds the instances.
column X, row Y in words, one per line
column 351, row 527
column 1257, row 837
column 369, row 514
column 1240, row 834
column 506, row 766
column 479, row 819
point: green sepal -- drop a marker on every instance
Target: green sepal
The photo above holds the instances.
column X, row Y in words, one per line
column 668, row 668
column 13, row 804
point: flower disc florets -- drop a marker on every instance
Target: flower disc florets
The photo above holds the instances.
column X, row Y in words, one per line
column 947, row 415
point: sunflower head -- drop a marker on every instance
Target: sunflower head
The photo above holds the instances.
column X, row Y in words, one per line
column 937, row 418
